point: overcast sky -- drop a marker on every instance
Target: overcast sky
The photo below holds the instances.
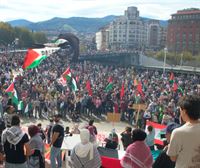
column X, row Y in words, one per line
column 40, row 10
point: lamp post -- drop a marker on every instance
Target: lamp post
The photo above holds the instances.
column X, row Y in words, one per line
column 181, row 63
column 164, row 63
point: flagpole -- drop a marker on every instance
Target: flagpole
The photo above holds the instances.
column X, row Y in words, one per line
column 164, row 64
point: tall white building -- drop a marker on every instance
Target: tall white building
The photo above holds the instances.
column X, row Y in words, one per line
column 102, row 39
column 128, row 31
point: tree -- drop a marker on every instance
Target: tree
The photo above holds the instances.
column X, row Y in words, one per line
column 6, row 34
column 39, row 37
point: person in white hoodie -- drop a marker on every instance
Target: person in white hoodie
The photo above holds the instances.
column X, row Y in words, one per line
column 85, row 154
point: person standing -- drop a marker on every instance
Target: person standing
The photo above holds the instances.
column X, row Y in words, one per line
column 126, row 137
column 85, row 154
column 36, row 160
column 93, row 131
column 15, row 145
column 150, row 137
column 184, row 147
column 56, row 142
column 138, row 154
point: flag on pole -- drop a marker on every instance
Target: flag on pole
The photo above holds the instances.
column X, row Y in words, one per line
column 20, row 105
column 88, row 87
column 175, row 87
column 109, row 87
column 74, row 85
column 67, row 74
column 12, row 93
column 122, row 92
column 33, row 58
column 171, row 78
column 26, row 109
column 139, row 89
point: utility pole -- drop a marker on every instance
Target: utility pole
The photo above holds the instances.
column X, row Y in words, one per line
column 164, row 63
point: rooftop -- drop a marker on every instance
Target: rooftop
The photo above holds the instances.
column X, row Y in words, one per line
column 188, row 11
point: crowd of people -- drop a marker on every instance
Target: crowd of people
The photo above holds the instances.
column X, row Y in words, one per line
column 44, row 96
column 40, row 89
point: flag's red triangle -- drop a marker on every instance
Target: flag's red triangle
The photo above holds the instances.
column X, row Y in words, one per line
column 30, row 57
column 10, row 88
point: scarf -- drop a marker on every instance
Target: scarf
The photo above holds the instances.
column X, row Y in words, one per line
column 13, row 135
column 138, row 155
column 82, row 149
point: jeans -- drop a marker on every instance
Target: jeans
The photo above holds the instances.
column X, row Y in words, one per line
column 55, row 154
column 15, row 165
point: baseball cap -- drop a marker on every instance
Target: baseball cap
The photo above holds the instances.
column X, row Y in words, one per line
column 170, row 127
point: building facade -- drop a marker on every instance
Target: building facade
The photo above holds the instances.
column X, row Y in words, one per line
column 128, row 31
column 183, row 32
column 154, row 34
column 102, row 39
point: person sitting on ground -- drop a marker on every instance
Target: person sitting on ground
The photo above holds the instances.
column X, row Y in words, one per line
column 36, row 160
column 150, row 137
column 85, row 154
column 126, row 137
column 15, row 145
column 163, row 161
column 138, row 154
column 112, row 141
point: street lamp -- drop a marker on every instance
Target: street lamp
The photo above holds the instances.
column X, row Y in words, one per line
column 165, row 51
column 181, row 63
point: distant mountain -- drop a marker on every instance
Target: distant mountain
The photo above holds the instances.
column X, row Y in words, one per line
column 77, row 24
column 20, row 23
column 72, row 24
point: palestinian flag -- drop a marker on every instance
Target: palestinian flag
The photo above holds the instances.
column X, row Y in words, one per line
column 176, row 87
column 139, row 89
column 171, row 78
column 12, row 93
column 33, row 58
column 62, row 81
column 60, row 41
column 158, row 131
column 109, row 87
column 122, row 92
column 88, row 87
column 74, row 85
column 20, row 105
column 67, row 75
